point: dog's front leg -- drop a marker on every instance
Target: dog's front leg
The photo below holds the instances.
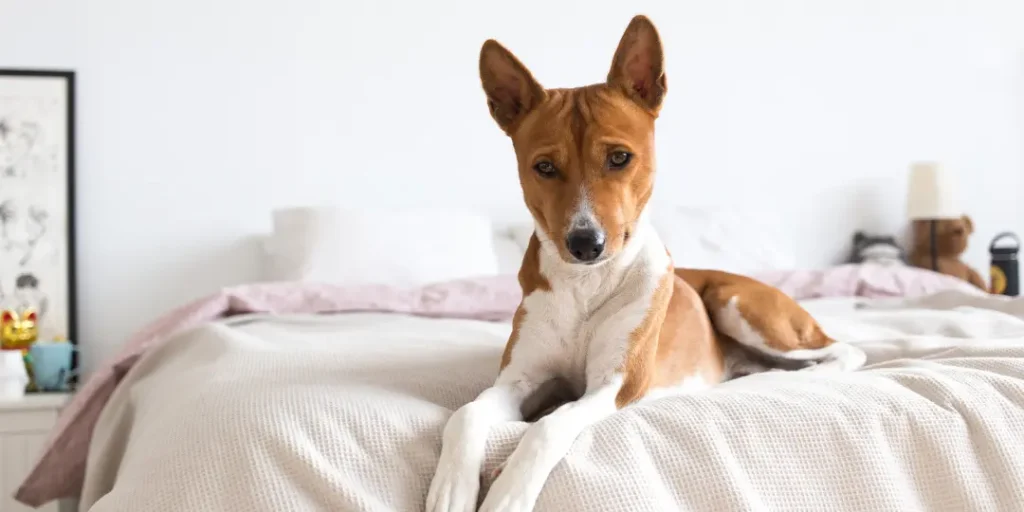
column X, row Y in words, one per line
column 544, row 444
column 456, row 481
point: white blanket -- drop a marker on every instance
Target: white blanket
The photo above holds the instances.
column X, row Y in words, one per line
column 345, row 413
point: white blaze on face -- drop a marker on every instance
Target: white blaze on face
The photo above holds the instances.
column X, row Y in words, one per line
column 583, row 215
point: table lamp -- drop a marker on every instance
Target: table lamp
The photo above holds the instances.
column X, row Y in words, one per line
column 931, row 197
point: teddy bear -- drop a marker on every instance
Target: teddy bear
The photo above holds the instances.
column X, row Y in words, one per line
column 950, row 242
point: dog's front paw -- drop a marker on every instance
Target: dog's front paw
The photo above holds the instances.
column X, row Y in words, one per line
column 454, row 488
column 512, row 491
column 506, row 502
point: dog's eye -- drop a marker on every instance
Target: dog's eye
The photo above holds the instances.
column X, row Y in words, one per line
column 619, row 159
column 546, row 169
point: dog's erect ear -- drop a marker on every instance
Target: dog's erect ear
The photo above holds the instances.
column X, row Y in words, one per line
column 511, row 90
column 968, row 224
column 639, row 65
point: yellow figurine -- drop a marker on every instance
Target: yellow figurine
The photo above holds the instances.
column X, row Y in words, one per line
column 18, row 331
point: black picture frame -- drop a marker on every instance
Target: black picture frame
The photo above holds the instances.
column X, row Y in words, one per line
column 68, row 77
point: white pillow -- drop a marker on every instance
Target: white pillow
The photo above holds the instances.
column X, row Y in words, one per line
column 403, row 248
column 510, row 241
column 510, row 255
column 724, row 238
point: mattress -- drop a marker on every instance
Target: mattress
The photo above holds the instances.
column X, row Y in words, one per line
column 345, row 412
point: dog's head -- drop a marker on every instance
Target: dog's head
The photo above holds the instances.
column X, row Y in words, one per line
column 586, row 155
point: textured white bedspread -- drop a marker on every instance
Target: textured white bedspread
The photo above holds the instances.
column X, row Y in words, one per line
column 345, row 413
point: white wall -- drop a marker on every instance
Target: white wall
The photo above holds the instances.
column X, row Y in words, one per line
column 198, row 117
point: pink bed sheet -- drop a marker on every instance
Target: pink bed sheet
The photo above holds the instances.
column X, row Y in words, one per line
column 60, row 470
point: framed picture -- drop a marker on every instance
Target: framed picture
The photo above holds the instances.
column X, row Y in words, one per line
column 37, row 199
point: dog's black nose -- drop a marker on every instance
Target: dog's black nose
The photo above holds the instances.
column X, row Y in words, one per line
column 585, row 244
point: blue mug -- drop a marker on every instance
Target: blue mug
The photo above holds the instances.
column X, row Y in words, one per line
column 51, row 364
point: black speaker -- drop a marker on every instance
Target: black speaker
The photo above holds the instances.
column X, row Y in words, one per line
column 1005, row 271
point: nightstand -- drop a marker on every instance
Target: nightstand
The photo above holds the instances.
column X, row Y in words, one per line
column 25, row 425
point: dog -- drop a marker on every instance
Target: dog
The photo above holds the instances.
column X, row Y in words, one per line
column 605, row 316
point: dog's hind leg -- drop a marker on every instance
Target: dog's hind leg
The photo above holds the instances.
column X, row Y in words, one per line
column 785, row 335
column 765, row 320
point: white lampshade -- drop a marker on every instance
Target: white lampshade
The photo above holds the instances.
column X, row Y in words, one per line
column 931, row 193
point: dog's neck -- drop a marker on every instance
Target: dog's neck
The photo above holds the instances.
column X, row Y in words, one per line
column 643, row 240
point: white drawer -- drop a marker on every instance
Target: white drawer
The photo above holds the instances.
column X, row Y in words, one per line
column 14, row 422
column 25, row 427
column 18, row 453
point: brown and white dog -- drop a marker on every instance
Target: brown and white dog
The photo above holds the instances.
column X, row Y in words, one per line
column 605, row 316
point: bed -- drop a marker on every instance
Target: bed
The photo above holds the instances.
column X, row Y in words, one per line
column 305, row 395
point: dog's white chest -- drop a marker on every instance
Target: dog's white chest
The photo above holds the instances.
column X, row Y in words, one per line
column 572, row 313
column 584, row 321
